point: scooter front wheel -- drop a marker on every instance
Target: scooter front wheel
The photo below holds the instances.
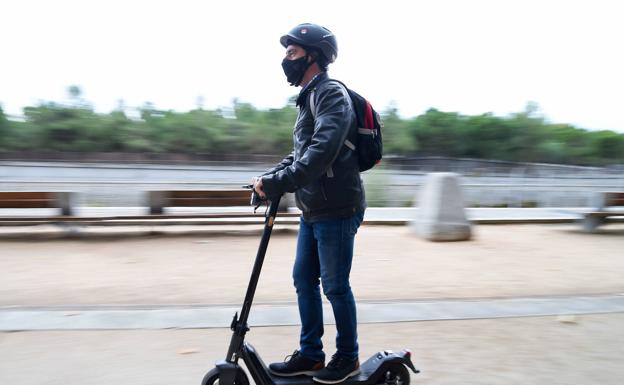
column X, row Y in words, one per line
column 212, row 378
column 395, row 374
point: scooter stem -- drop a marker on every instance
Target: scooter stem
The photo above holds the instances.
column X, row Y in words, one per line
column 239, row 326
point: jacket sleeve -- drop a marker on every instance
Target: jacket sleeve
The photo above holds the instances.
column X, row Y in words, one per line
column 287, row 161
column 331, row 127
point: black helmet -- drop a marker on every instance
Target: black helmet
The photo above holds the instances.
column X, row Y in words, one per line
column 313, row 35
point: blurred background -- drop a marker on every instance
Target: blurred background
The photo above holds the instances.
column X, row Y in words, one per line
column 110, row 100
column 521, row 98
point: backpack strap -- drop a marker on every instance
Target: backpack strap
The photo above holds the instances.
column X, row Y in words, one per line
column 347, row 142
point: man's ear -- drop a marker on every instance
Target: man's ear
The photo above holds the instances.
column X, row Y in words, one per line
column 312, row 56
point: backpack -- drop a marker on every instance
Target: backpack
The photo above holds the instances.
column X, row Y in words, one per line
column 369, row 145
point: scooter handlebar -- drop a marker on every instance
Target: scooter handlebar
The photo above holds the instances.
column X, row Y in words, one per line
column 256, row 199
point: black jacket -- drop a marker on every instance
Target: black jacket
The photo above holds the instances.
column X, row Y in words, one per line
column 322, row 170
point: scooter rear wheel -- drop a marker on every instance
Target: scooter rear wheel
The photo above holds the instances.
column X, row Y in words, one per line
column 396, row 374
column 212, row 378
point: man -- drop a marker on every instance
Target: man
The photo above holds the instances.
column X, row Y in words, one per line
column 323, row 172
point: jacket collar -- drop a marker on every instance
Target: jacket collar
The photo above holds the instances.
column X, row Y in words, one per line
column 301, row 99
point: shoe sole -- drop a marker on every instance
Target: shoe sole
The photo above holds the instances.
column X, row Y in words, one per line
column 353, row 373
column 304, row 373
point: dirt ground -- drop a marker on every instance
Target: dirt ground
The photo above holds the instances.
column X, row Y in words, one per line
column 389, row 263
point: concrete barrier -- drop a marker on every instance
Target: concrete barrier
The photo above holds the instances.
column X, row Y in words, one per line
column 442, row 215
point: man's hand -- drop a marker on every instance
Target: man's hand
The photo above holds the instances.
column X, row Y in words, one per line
column 257, row 186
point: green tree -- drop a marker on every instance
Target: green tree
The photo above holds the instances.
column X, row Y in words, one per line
column 398, row 137
column 607, row 146
column 486, row 136
column 527, row 133
column 4, row 129
column 439, row 133
column 245, row 129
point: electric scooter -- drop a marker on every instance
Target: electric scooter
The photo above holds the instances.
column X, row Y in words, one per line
column 384, row 367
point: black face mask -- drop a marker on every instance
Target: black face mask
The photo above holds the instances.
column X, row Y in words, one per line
column 295, row 69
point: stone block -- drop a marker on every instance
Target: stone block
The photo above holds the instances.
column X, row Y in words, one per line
column 441, row 214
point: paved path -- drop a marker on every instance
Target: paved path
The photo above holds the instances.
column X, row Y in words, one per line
column 185, row 317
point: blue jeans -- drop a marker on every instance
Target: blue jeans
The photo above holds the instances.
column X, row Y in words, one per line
column 324, row 255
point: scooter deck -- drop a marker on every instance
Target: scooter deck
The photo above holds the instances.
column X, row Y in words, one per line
column 370, row 370
column 367, row 369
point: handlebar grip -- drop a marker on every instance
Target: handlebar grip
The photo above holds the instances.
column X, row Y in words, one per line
column 255, row 200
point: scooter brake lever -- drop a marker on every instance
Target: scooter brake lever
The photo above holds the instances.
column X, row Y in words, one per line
column 256, row 201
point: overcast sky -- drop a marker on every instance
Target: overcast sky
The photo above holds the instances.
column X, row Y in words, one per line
column 466, row 56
